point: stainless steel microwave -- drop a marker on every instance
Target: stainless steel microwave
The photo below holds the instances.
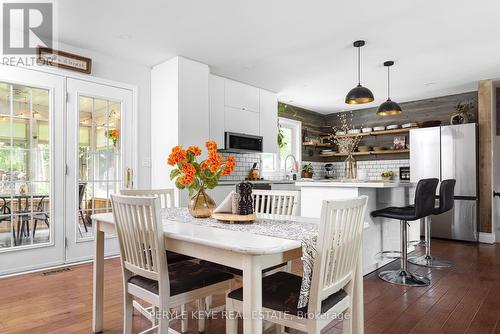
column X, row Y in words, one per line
column 238, row 142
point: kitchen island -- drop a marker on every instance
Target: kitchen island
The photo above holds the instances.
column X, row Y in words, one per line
column 379, row 234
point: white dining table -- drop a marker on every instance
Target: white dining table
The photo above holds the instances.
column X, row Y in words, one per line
column 246, row 251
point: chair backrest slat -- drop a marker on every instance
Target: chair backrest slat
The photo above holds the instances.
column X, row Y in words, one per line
column 275, row 204
column 166, row 196
column 338, row 248
column 140, row 234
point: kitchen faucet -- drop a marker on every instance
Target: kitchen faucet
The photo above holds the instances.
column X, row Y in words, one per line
column 293, row 164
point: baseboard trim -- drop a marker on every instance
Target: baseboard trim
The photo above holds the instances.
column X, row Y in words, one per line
column 486, row 238
column 31, row 270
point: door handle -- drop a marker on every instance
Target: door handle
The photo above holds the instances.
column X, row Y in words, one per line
column 128, row 178
column 496, row 193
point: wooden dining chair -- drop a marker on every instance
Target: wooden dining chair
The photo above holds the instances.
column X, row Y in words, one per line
column 275, row 204
column 338, row 248
column 167, row 200
column 146, row 273
column 166, row 195
column 270, row 204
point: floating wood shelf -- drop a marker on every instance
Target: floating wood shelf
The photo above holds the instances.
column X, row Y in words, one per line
column 377, row 133
column 365, row 153
column 316, row 144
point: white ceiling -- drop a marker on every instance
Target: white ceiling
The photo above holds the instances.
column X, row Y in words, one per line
column 303, row 49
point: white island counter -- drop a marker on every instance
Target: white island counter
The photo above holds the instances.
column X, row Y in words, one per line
column 379, row 234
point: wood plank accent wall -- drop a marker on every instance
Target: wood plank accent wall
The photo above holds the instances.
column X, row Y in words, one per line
column 485, row 154
column 439, row 108
column 312, row 122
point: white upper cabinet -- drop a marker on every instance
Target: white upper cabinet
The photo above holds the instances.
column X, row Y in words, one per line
column 269, row 121
column 216, row 110
column 242, row 121
column 236, row 107
column 241, row 96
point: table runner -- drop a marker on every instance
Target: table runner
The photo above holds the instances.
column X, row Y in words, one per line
column 306, row 233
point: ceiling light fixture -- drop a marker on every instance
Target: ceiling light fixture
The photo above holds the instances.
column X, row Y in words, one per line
column 389, row 108
column 359, row 94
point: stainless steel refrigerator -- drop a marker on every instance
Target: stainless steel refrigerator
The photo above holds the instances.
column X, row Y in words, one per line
column 449, row 152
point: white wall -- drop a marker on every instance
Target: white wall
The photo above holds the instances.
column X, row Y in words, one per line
column 112, row 68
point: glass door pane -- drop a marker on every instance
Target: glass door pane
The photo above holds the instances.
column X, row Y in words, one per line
column 25, row 166
column 99, row 148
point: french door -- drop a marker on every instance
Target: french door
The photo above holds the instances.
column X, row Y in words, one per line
column 99, row 159
column 65, row 147
column 31, row 169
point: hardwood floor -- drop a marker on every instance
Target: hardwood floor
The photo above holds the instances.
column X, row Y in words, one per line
column 463, row 299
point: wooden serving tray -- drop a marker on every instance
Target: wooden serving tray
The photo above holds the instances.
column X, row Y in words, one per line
column 232, row 218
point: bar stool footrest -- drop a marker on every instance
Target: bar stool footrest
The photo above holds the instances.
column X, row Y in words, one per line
column 429, row 262
column 389, row 254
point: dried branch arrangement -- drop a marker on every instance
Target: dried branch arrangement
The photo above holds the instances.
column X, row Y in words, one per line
column 346, row 144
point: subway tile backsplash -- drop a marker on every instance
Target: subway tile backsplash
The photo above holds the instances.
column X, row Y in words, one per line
column 244, row 162
column 373, row 168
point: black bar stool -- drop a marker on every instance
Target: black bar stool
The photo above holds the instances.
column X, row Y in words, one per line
column 425, row 199
column 446, row 201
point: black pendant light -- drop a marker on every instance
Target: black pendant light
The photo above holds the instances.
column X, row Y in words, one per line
column 359, row 94
column 389, row 108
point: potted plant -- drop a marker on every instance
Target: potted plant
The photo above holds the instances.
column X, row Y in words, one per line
column 196, row 176
column 307, row 171
column 387, row 176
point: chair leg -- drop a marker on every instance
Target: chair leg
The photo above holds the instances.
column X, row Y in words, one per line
column 14, row 235
column 19, row 230
column 231, row 318
column 208, row 302
column 403, row 276
column 128, row 313
column 201, row 315
column 347, row 321
column 184, row 319
column 82, row 217
column 34, row 227
column 428, row 260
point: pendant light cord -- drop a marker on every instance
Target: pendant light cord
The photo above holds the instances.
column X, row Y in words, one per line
column 388, row 83
column 359, row 65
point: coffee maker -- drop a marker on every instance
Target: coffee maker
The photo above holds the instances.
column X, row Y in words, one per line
column 329, row 171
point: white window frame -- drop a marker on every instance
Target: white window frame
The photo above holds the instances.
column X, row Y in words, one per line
column 296, row 127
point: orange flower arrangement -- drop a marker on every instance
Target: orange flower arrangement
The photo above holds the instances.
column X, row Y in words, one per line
column 194, row 176
column 114, row 135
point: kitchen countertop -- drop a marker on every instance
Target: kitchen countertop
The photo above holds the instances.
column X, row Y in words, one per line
column 232, row 182
column 352, row 184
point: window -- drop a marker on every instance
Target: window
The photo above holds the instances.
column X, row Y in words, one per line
column 291, row 131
